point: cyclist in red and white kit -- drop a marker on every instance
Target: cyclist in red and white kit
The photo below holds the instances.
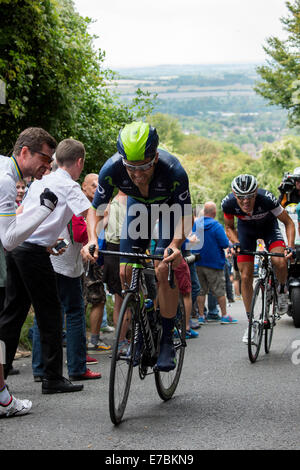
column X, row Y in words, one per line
column 257, row 211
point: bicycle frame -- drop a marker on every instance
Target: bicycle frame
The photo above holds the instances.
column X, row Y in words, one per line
column 265, row 271
column 138, row 287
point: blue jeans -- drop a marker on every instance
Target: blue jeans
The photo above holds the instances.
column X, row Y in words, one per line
column 72, row 303
column 104, row 318
column 195, row 282
column 229, row 287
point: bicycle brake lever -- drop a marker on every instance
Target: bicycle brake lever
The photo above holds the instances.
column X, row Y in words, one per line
column 170, row 271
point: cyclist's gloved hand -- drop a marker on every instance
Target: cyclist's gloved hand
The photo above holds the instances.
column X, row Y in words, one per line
column 48, row 199
column 236, row 247
column 291, row 250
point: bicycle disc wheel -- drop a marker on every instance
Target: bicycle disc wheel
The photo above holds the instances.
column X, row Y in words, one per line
column 256, row 324
column 270, row 321
column 166, row 382
column 122, row 360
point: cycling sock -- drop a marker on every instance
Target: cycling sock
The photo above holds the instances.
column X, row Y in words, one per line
column 281, row 289
column 95, row 339
column 4, row 396
column 168, row 327
column 248, row 315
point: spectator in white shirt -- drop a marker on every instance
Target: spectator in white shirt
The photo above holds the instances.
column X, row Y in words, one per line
column 69, row 269
column 30, row 275
column 33, row 152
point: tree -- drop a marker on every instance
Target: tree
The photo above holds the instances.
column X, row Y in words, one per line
column 276, row 159
column 168, row 129
column 55, row 79
column 281, row 82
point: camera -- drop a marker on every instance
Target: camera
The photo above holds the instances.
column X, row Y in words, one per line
column 288, row 183
column 61, row 244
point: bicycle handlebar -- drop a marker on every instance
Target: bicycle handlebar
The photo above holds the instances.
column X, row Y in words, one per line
column 260, row 253
column 132, row 255
column 189, row 259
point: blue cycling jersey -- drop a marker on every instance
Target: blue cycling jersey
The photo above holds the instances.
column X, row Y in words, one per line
column 169, row 183
column 266, row 208
column 260, row 223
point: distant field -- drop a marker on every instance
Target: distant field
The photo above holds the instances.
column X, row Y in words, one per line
column 127, row 88
column 178, row 95
column 213, row 101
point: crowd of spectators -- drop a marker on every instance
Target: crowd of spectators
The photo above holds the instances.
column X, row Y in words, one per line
column 68, row 294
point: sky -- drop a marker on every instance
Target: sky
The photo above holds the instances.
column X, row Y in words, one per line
column 142, row 33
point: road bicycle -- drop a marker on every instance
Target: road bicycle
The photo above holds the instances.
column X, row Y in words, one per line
column 264, row 306
column 138, row 335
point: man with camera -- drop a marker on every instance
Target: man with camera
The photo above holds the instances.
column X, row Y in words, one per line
column 290, row 188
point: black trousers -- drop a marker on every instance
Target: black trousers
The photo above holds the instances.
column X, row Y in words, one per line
column 31, row 280
column 2, row 297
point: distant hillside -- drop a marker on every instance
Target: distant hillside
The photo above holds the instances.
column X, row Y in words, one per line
column 212, row 165
column 185, row 69
column 212, row 101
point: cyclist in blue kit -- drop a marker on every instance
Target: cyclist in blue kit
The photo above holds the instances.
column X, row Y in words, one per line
column 157, row 188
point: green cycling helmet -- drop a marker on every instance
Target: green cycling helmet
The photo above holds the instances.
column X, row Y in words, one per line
column 137, row 141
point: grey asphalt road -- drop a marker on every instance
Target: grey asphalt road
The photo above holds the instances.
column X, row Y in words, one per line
column 222, row 401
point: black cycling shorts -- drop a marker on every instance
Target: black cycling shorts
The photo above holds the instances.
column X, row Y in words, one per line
column 250, row 232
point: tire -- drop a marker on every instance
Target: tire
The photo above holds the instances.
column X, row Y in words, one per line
column 256, row 324
column 270, row 320
column 295, row 300
column 166, row 382
column 122, row 362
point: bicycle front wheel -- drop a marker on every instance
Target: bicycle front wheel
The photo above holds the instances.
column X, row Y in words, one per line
column 166, row 382
column 256, row 322
column 122, row 359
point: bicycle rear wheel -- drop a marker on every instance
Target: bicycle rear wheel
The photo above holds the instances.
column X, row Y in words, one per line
column 270, row 320
column 122, row 359
column 256, row 323
column 166, row 382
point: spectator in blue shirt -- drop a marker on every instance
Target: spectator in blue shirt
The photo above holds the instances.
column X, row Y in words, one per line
column 210, row 267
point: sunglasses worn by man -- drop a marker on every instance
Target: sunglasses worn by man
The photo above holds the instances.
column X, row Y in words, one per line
column 246, row 196
column 144, row 167
column 49, row 157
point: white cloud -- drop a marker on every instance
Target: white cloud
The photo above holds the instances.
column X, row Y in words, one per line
column 140, row 33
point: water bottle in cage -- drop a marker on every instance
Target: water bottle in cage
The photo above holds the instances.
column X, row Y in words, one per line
column 149, row 306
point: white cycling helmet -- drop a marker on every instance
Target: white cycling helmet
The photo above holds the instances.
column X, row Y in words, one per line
column 244, row 184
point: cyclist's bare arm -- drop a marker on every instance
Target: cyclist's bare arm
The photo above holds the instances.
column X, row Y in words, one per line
column 230, row 230
column 92, row 221
column 183, row 228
